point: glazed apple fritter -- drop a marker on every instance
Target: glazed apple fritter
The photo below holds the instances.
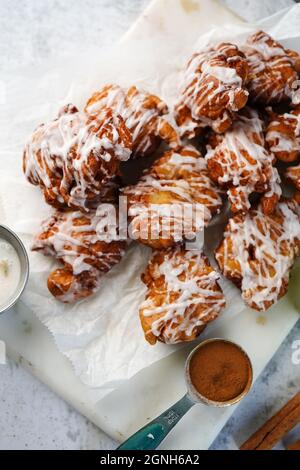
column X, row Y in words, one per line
column 283, row 135
column 273, row 70
column 258, row 252
column 212, row 90
column 293, row 175
column 144, row 115
column 239, row 162
column 86, row 252
column 183, row 296
column 173, row 201
column 74, row 159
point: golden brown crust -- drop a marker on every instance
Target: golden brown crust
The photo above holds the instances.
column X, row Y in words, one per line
column 239, row 162
column 293, row 175
column 73, row 239
column 183, row 296
column 283, row 135
column 272, row 69
column 144, row 114
column 213, row 90
column 258, row 252
column 158, row 204
column 295, row 57
column 70, row 159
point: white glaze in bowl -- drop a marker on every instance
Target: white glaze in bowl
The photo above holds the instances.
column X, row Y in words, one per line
column 8, row 236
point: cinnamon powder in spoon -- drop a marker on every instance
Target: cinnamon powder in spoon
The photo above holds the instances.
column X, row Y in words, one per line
column 220, row 371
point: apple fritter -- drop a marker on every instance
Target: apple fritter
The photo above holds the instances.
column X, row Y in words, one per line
column 74, row 159
column 239, row 162
column 213, row 90
column 183, row 296
column 145, row 115
column 283, row 135
column 86, row 252
column 272, row 70
column 258, row 252
column 173, row 201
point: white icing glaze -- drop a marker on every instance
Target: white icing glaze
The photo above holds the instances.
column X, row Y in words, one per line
column 205, row 82
column 284, row 141
column 73, row 238
column 225, row 75
column 10, row 271
column 141, row 112
column 275, row 245
column 186, row 280
column 193, row 198
column 272, row 70
column 293, row 174
column 57, row 156
column 281, row 142
column 268, row 52
column 244, row 161
column 177, row 220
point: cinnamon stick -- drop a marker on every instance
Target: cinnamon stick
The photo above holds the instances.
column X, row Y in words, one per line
column 295, row 446
column 276, row 427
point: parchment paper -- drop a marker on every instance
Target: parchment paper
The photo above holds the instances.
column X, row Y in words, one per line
column 102, row 335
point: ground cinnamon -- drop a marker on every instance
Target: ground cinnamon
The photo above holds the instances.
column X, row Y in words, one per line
column 276, row 427
column 220, row 371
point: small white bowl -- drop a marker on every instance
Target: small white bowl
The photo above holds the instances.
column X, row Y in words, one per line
column 9, row 236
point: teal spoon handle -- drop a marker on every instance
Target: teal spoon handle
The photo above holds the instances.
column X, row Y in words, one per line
column 151, row 435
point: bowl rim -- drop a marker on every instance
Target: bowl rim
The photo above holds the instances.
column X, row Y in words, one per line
column 24, row 271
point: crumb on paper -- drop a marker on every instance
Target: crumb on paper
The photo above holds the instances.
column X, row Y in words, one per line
column 189, row 5
column 261, row 320
column 4, row 266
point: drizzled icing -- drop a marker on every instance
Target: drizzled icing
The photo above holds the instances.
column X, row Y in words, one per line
column 293, row 174
column 183, row 296
column 73, row 158
column 258, row 252
column 212, row 90
column 283, row 135
column 144, row 116
column 86, row 248
column 241, row 163
column 272, row 69
column 174, row 200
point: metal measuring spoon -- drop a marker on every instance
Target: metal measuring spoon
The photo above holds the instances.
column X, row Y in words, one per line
column 151, row 435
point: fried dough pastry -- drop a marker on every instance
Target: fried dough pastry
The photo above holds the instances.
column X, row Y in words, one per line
column 293, row 175
column 212, row 90
column 183, row 296
column 75, row 158
column 173, row 201
column 258, row 253
column 239, row 162
column 283, row 135
column 144, row 115
column 272, row 69
column 84, row 248
column 295, row 57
